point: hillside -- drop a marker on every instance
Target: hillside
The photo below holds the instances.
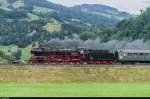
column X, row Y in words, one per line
column 107, row 15
column 23, row 22
column 133, row 29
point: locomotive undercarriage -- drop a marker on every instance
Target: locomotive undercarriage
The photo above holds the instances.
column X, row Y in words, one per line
column 56, row 59
column 96, row 62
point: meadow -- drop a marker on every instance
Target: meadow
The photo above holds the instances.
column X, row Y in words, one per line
column 46, row 81
column 74, row 90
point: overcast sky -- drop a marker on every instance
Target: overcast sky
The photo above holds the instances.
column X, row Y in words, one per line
column 131, row 6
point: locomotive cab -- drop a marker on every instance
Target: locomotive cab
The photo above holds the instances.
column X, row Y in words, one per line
column 100, row 57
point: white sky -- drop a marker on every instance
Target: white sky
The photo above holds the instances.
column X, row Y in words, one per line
column 131, row 6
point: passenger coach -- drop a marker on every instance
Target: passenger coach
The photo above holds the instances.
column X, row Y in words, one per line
column 133, row 56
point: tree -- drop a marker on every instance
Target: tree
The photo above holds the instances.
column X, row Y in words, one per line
column 18, row 54
column 2, row 54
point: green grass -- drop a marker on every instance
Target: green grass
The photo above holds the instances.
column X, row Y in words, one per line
column 26, row 52
column 41, row 81
column 18, row 4
column 41, row 74
column 4, row 5
column 33, row 17
column 6, row 49
column 52, row 27
column 74, row 90
column 42, row 10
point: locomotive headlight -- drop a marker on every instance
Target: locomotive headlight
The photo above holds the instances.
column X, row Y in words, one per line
column 125, row 54
column 82, row 52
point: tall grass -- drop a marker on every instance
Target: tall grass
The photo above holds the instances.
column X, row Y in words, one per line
column 36, row 74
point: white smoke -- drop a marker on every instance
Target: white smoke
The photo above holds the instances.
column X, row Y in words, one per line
column 112, row 45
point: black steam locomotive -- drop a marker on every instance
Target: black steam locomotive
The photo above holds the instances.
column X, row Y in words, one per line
column 88, row 56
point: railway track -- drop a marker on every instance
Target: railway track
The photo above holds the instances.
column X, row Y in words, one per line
column 77, row 65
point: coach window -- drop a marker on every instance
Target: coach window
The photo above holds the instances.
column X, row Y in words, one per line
column 134, row 54
column 141, row 54
column 128, row 54
column 137, row 54
column 147, row 54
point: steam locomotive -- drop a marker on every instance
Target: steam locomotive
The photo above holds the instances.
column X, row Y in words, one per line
column 88, row 56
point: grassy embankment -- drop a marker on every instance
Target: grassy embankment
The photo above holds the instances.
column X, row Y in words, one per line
column 74, row 75
column 25, row 52
column 68, row 81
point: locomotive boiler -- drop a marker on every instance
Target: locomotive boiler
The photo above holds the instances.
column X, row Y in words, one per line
column 71, row 56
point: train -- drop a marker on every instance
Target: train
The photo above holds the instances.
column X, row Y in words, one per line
column 88, row 56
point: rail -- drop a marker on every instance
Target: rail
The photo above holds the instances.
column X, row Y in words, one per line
column 77, row 65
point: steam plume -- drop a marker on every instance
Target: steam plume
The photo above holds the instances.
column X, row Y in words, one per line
column 112, row 45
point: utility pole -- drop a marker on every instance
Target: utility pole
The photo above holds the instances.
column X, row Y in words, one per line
column 141, row 11
column 149, row 39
